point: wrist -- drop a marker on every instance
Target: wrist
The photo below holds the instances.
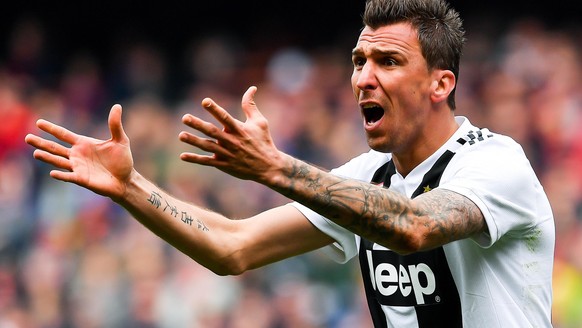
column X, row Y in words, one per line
column 129, row 188
column 280, row 176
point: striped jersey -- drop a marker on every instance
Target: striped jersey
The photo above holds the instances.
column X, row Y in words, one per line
column 501, row 278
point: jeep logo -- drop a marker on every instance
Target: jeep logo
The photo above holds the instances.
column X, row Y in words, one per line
column 395, row 286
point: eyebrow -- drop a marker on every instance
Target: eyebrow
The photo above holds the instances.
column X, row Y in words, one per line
column 376, row 51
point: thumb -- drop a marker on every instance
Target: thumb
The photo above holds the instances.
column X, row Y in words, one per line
column 248, row 102
column 114, row 121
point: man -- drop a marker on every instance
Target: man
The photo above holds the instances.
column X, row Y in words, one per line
column 450, row 223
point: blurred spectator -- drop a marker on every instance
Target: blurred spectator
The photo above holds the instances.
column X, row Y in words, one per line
column 83, row 91
column 17, row 118
column 140, row 69
column 29, row 60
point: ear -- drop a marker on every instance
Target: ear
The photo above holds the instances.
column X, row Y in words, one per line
column 442, row 85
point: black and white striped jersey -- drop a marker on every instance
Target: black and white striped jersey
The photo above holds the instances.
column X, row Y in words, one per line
column 501, row 278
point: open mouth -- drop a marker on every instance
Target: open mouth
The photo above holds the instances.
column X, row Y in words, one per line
column 372, row 113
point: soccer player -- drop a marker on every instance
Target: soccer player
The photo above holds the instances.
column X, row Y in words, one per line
column 451, row 226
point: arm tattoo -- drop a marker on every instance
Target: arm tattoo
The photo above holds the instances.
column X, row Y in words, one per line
column 156, row 200
column 173, row 209
column 201, row 225
column 453, row 216
column 381, row 215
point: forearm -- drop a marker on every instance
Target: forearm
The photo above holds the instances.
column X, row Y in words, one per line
column 363, row 208
column 191, row 229
column 376, row 213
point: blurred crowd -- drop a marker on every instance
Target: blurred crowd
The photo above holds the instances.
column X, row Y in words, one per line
column 70, row 258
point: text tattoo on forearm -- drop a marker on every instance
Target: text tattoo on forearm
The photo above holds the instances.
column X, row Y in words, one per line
column 156, row 200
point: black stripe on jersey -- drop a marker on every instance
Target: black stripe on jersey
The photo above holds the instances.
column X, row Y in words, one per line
column 381, row 176
column 383, row 173
column 422, row 280
column 376, row 312
column 432, row 178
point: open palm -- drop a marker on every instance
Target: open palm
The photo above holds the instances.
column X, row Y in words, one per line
column 103, row 166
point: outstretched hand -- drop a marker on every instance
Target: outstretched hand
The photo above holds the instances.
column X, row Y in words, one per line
column 241, row 149
column 103, row 166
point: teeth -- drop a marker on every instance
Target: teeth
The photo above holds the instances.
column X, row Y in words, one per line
column 369, row 106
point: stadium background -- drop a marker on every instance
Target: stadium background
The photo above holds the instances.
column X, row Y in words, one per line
column 69, row 258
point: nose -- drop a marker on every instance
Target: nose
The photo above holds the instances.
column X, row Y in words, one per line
column 365, row 78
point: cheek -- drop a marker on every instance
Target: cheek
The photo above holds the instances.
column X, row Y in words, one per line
column 415, row 99
column 403, row 118
column 355, row 89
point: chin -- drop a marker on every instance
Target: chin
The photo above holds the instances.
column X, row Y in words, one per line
column 379, row 146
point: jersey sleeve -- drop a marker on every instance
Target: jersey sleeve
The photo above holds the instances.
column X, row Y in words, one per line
column 498, row 178
column 344, row 248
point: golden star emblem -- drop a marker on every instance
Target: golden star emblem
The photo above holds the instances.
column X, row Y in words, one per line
column 427, row 188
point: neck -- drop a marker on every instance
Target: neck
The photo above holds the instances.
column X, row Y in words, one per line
column 426, row 144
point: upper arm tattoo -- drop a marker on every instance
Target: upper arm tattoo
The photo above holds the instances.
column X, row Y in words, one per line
column 452, row 215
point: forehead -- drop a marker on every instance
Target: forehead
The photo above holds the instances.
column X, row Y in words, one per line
column 401, row 37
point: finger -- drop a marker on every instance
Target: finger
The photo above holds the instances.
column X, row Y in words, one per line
column 220, row 114
column 47, row 145
column 207, row 128
column 115, row 126
column 196, row 158
column 54, row 160
column 248, row 102
column 207, row 145
column 206, row 160
column 64, row 176
column 58, row 131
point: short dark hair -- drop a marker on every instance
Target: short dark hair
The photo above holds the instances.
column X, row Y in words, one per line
column 440, row 29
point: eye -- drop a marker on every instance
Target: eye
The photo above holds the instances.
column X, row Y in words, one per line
column 389, row 61
column 358, row 61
